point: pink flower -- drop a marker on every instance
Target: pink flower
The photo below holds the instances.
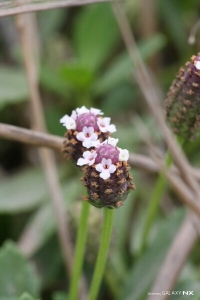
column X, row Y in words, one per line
column 87, row 136
column 105, row 168
column 88, row 158
column 104, row 125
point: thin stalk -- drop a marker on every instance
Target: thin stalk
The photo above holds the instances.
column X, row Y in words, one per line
column 154, row 202
column 102, row 255
column 79, row 251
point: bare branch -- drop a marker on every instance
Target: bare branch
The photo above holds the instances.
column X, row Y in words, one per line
column 8, row 8
column 30, row 137
column 178, row 253
column 26, row 25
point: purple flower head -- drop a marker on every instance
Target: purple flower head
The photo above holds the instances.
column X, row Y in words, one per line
column 182, row 105
column 86, row 129
column 106, row 174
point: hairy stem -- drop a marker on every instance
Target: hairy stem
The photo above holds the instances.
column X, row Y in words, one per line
column 79, row 251
column 102, row 255
column 154, row 204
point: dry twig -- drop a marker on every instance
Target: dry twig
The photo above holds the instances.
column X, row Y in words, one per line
column 9, row 8
column 150, row 93
column 25, row 25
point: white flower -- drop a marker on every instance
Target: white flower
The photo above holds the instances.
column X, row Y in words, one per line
column 68, row 122
column 88, row 158
column 123, row 154
column 82, row 110
column 74, row 115
column 87, row 136
column 197, row 65
column 104, row 125
column 96, row 111
column 112, row 141
column 105, row 168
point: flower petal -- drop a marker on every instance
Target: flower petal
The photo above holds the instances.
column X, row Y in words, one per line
column 123, row 154
column 74, row 115
column 82, row 110
column 99, row 167
column 112, row 141
column 87, row 143
column 63, row 119
column 112, row 128
column 96, row 111
column 112, row 168
column 80, row 136
column 81, row 161
column 105, row 175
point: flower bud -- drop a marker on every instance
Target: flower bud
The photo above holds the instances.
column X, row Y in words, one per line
column 182, row 106
column 106, row 175
column 86, row 129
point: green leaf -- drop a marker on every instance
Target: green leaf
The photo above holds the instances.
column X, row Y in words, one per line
column 143, row 272
column 22, row 192
column 54, row 82
column 26, row 296
column 16, row 273
column 42, row 224
column 13, row 86
column 95, row 35
column 60, row 296
column 122, row 67
column 76, row 75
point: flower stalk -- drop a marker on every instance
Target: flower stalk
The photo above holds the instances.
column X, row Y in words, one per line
column 102, row 254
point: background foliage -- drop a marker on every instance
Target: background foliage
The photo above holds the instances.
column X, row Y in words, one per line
column 84, row 62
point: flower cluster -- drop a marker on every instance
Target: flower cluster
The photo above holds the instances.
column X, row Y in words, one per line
column 106, row 175
column 182, row 106
column 86, row 129
column 105, row 167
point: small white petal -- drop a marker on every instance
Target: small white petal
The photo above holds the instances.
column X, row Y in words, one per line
column 112, row 141
column 112, row 128
column 96, row 111
column 81, row 161
column 96, row 143
column 93, row 137
column 68, row 122
column 82, row 110
column 198, row 65
column 63, row 119
column 87, row 130
column 74, row 115
column 105, row 175
column 123, row 154
column 112, row 169
column 99, row 167
column 87, row 143
column 80, row 136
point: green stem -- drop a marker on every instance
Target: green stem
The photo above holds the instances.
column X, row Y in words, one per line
column 154, row 204
column 102, row 255
column 79, row 251
column 155, row 199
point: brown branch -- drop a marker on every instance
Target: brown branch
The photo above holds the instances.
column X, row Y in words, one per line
column 176, row 257
column 8, row 8
column 46, row 140
column 28, row 35
column 31, row 137
column 150, row 93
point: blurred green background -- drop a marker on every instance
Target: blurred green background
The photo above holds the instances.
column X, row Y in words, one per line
column 83, row 61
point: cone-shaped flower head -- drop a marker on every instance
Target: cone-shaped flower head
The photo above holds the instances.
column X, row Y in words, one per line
column 182, row 106
column 106, row 174
column 86, row 129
